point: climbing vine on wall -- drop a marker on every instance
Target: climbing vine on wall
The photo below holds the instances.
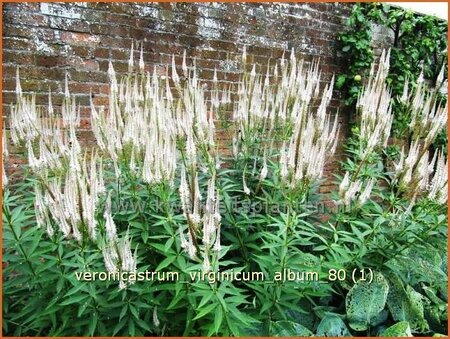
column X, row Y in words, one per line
column 419, row 45
column 355, row 46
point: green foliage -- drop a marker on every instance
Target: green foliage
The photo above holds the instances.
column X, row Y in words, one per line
column 289, row 329
column 356, row 47
column 419, row 45
column 407, row 294
column 400, row 329
column 332, row 326
column 406, row 305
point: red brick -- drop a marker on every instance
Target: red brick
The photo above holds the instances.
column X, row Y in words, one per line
column 85, row 39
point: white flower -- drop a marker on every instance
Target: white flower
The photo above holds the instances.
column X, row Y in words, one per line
column 141, row 59
column 34, row 163
column 437, row 189
column 246, row 189
column 155, row 317
column 128, row 259
column 191, row 249
column 18, row 87
column 217, row 247
column 184, row 192
column 183, row 241
column 110, row 226
column 4, row 176
column 110, row 258
column 344, row 184
column 206, row 264
column 352, row 191
column 264, row 170
column 283, row 163
column 133, row 167
column 131, row 59
column 217, row 216
column 253, row 71
column 118, row 257
column 40, row 208
column 405, row 95
column 374, row 104
column 191, row 153
column 215, row 75
column 5, row 154
column 365, row 194
column 175, row 77
column 195, row 217
column 66, row 88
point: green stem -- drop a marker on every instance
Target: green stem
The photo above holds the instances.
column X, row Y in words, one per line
column 60, row 266
column 243, row 249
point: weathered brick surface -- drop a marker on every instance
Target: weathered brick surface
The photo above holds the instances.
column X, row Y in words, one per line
column 46, row 40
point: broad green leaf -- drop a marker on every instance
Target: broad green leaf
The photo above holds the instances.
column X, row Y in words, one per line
column 365, row 301
column 332, row 326
column 400, row 329
column 406, row 305
column 286, row 328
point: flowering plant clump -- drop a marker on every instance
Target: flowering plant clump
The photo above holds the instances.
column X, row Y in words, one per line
column 154, row 231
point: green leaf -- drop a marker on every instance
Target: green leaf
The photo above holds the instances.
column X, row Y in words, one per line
column 121, row 324
column 400, row 329
column 74, row 300
column 340, row 81
column 346, row 48
column 365, row 301
column 206, row 310
column 142, row 324
column 218, row 318
column 406, row 305
column 131, row 327
column 93, row 323
column 332, row 326
column 166, row 262
column 123, row 311
column 286, row 328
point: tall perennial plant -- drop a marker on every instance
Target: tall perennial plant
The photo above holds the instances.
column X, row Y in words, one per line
column 194, row 242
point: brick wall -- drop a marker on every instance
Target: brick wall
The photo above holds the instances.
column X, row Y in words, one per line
column 46, row 40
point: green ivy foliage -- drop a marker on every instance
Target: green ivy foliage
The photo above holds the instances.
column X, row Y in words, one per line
column 355, row 45
column 419, row 45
